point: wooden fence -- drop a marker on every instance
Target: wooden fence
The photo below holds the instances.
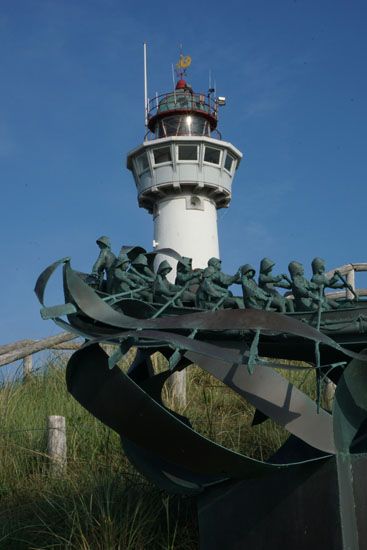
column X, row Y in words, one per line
column 348, row 271
column 25, row 349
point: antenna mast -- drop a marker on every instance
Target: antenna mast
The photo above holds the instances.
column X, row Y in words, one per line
column 174, row 83
column 145, row 86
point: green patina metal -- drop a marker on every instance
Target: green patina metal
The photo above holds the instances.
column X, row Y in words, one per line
column 104, row 263
column 198, row 320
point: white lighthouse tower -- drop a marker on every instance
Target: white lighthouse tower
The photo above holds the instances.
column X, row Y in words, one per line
column 182, row 173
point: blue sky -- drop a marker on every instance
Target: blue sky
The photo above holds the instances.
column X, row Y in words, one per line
column 71, row 107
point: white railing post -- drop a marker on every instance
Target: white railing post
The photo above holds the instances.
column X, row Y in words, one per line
column 56, row 443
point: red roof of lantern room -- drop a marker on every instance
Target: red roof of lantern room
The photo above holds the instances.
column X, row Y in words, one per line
column 181, row 84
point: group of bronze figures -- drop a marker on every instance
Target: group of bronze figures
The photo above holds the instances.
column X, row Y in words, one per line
column 208, row 288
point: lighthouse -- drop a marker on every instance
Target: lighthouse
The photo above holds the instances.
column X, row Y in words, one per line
column 183, row 170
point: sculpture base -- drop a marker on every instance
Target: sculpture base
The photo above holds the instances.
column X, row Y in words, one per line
column 297, row 508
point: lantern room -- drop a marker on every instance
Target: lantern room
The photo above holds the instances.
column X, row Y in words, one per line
column 182, row 113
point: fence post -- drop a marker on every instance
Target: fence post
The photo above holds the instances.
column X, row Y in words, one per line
column 27, row 367
column 56, row 443
column 177, row 386
column 329, row 393
column 351, row 280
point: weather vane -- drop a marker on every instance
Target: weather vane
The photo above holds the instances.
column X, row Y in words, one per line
column 183, row 63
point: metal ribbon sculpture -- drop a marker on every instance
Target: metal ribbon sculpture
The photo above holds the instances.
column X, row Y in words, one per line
column 131, row 403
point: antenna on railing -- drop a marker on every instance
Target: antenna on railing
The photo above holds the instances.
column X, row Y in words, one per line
column 145, row 86
column 174, row 82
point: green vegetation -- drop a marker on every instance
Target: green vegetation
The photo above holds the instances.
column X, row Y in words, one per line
column 102, row 503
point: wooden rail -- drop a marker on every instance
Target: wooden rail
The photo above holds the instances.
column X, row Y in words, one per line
column 349, row 271
column 24, row 349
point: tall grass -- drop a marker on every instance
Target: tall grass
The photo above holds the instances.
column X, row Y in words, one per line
column 102, row 502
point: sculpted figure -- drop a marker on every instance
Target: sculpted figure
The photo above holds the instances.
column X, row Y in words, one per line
column 213, row 288
column 125, row 281
column 220, row 278
column 104, row 263
column 142, row 275
column 209, row 293
column 139, row 267
column 319, row 277
column 120, row 279
column 267, row 282
column 321, row 280
column 185, row 275
column 254, row 297
column 163, row 290
column 306, row 293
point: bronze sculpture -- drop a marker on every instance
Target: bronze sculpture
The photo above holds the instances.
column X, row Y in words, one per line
column 185, row 273
column 255, row 297
column 322, row 281
column 188, row 278
column 163, row 290
column 267, row 282
column 139, row 266
column 127, row 284
column 220, row 278
column 104, row 263
column 226, row 344
column 208, row 292
column 209, row 287
column 306, row 294
column 214, row 287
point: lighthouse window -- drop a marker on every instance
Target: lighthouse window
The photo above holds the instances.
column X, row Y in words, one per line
column 142, row 162
column 187, row 152
column 182, row 125
column 228, row 163
column 212, row 155
column 162, row 154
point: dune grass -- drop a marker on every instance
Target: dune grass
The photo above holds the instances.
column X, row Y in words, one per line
column 101, row 502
